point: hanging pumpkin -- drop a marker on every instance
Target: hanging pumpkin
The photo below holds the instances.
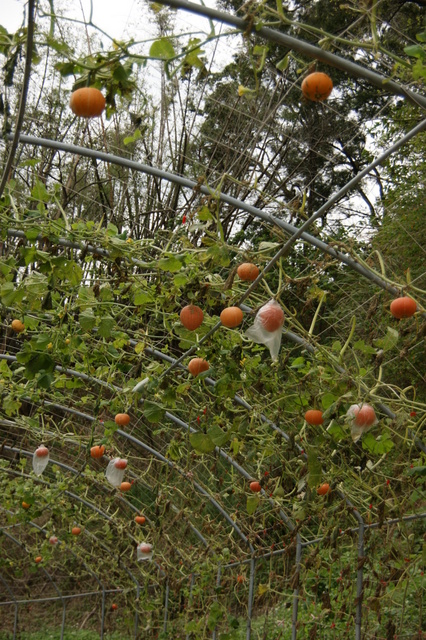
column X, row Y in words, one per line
column 231, row 317
column 317, row 86
column 197, row 366
column 87, row 102
column 191, row 317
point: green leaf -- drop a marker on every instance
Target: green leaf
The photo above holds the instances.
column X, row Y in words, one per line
column 39, row 192
column 201, row 442
column 283, row 63
column 365, row 348
column 252, row 503
column 106, row 325
column 415, row 51
column 87, row 319
column 327, row 400
column 383, row 444
column 314, row 468
column 218, row 435
column 162, row 49
column 417, row 471
column 204, row 214
column 32, row 234
column 180, row 280
column 171, row 264
column 389, row 341
column 142, row 297
column 153, row 411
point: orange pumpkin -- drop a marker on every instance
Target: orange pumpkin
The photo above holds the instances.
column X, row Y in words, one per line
column 76, row 531
column 255, row 486
column 25, row 505
column 403, row 308
column 198, row 365
column 191, row 317
column 271, row 317
column 231, row 317
column 125, row 486
column 248, row 271
column 140, row 519
column 122, row 419
column 87, row 102
column 314, row 416
column 120, row 463
column 114, row 606
column 317, row 86
column 38, row 559
column 17, row 326
column 323, row 489
column 97, row 451
column 363, row 415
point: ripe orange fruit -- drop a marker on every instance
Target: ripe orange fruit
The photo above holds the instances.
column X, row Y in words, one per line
column 323, row 489
column 248, row 271
column 97, row 451
column 198, row 365
column 403, row 308
column 76, row 531
column 121, row 463
column 53, row 540
column 271, row 317
column 314, row 416
column 25, row 505
column 87, row 102
column 114, row 606
column 38, row 559
column 240, row 579
column 140, row 519
column 17, row 326
column 317, row 86
column 125, row 486
column 231, row 317
column 42, row 451
column 122, row 419
column 191, row 317
column 255, row 486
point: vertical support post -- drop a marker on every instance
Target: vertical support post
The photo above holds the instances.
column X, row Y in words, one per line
column 359, row 578
column 64, row 613
column 250, row 597
column 219, row 574
column 166, row 606
column 103, row 612
column 296, row 588
column 190, row 597
column 138, row 590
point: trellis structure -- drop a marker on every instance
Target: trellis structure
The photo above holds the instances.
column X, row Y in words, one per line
column 281, row 563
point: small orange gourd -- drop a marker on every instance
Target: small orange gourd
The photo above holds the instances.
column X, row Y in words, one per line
column 231, row 317
column 122, row 419
column 323, row 489
column 76, row 531
column 97, row 451
column 17, row 326
column 314, row 416
column 87, row 102
column 140, row 519
column 38, row 559
column 317, row 86
column 248, row 271
column 125, row 486
column 191, row 317
column 403, row 308
column 197, row 366
column 255, row 486
column 271, row 317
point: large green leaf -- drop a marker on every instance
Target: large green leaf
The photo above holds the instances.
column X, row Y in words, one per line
column 201, row 442
column 162, row 49
column 252, row 503
column 153, row 411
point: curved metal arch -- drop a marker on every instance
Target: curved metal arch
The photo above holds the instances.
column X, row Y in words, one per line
column 239, row 204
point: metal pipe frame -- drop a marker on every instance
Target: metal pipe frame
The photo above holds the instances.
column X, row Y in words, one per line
column 239, row 204
column 15, row 604
column 289, row 42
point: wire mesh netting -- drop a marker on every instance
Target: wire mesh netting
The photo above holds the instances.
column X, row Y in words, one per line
column 171, row 477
